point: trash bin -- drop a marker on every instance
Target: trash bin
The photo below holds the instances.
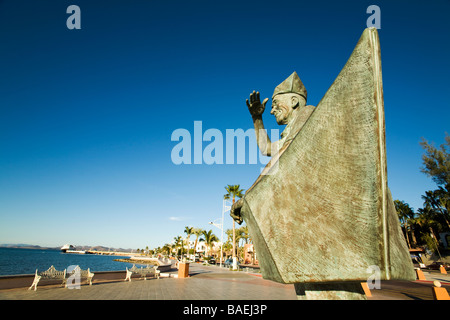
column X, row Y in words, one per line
column 183, row 270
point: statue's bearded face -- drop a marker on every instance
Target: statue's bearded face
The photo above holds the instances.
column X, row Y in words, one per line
column 282, row 107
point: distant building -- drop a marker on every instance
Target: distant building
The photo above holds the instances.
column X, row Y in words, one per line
column 250, row 254
column 203, row 248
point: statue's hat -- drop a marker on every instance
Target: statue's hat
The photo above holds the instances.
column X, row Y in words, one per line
column 292, row 84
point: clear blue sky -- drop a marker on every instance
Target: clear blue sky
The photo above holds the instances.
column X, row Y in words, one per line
column 86, row 116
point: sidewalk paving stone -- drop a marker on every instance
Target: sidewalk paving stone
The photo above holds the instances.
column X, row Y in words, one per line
column 211, row 283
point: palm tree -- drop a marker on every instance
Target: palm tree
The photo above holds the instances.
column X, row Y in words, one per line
column 197, row 232
column 444, row 197
column 437, row 200
column 233, row 191
column 188, row 231
column 167, row 248
column 209, row 238
column 242, row 233
column 405, row 214
column 227, row 247
column 178, row 240
column 229, row 233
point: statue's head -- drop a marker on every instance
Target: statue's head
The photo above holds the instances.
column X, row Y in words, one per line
column 283, row 106
column 288, row 96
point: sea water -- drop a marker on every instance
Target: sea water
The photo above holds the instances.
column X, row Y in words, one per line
column 26, row 261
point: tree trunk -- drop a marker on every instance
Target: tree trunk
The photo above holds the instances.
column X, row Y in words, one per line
column 413, row 237
column 195, row 246
column 407, row 236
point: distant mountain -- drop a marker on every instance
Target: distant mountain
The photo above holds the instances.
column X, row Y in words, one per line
column 102, row 248
column 15, row 245
column 23, row 246
column 31, row 246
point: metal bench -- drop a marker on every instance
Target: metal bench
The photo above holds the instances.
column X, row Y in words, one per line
column 50, row 274
column 78, row 273
column 152, row 271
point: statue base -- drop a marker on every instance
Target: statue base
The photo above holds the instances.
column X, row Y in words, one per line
column 330, row 291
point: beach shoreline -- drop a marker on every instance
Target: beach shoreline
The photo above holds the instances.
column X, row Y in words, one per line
column 138, row 261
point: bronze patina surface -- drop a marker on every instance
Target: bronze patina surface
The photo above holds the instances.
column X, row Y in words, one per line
column 321, row 212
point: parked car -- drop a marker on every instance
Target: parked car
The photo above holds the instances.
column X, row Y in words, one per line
column 417, row 262
column 212, row 260
column 437, row 264
column 229, row 263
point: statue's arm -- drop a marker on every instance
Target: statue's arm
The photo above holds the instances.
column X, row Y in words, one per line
column 235, row 211
column 256, row 109
column 262, row 138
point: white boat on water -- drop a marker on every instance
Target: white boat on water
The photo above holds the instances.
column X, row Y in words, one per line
column 77, row 251
column 67, row 247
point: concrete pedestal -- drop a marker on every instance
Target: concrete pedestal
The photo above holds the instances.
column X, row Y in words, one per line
column 330, row 291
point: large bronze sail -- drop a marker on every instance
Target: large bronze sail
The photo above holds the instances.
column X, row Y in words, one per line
column 322, row 210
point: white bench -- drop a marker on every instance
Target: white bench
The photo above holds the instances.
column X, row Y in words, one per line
column 77, row 272
column 152, row 271
column 50, row 274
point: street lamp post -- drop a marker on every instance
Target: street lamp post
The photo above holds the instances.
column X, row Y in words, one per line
column 225, row 208
column 220, row 226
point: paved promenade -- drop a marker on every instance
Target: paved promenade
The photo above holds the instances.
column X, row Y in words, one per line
column 210, row 283
column 205, row 283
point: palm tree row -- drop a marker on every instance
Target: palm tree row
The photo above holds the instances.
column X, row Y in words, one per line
column 422, row 227
column 180, row 245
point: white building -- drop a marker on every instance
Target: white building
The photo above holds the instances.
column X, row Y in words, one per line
column 203, row 248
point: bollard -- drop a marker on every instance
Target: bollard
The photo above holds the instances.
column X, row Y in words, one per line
column 439, row 293
column 420, row 275
column 442, row 269
column 366, row 289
